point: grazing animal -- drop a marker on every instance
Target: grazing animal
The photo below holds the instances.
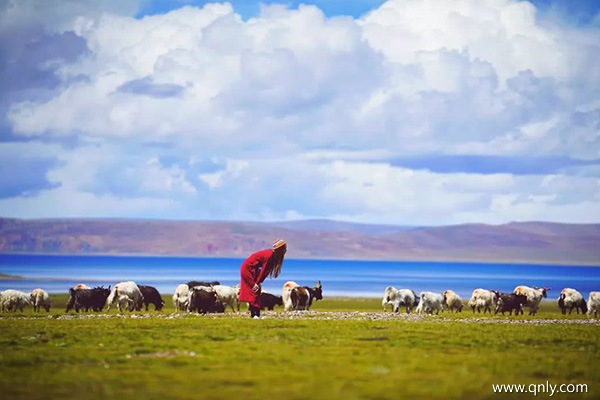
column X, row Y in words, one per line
column 399, row 298
column 181, row 297
column 228, row 295
column 390, row 294
column 151, row 296
column 509, row 302
column 406, row 298
column 302, row 296
column 269, row 301
column 125, row 295
column 204, row 301
column 191, row 284
column 39, row 298
column 286, row 295
column 593, row 304
column 430, row 302
column 86, row 299
column 534, row 297
column 482, row 298
column 124, row 302
column 81, row 286
column 452, row 301
column 11, row 300
column 571, row 299
column 71, row 301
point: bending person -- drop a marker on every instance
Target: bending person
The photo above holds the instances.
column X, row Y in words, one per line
column 254, row 271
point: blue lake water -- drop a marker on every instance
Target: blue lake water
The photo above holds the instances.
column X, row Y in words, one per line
column 56, row 274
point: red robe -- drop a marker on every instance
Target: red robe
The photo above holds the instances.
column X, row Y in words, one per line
column 255, row 269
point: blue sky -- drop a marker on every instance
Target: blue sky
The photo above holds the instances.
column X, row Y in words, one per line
column 249, row 9
column 422, row 112
column 577, row 12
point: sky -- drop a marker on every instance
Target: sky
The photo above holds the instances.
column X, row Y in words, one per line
column 404, row 112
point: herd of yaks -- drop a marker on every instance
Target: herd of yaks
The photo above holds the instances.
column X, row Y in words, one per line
column 203, row 297
column 212, row 297
column 488, row 300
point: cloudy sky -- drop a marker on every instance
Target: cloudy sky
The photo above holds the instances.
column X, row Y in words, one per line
column 411, row 112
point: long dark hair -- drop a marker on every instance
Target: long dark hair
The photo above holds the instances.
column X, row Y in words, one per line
column 277, row 261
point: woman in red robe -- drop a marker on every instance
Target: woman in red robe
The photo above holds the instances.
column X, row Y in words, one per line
column 255, row 270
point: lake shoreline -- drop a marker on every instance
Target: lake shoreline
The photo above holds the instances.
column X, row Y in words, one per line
column 56, row 274
column 11, row 277
column 445, row 260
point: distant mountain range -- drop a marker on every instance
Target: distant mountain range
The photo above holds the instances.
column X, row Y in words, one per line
column 531, row 242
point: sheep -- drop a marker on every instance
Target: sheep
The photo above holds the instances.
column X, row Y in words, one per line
column 81, row 286
column 124, row 302
column 181, row 297
column 286, row 292
column 571, row 298
column 390, row 294
column 452, row 301
column 11, row 300
column 192, row 284
column 509, row 302
column 406, row 298
column 204, row 301
column 269, row 301
column 228, row 295
column 86, row 299
column 534, row 296
column 125, row 294
column 151, row 296
column 399, row 298
column 482, row 298
column 39, row 298
column 593, row 304
column 430, row 302
column 302, row 296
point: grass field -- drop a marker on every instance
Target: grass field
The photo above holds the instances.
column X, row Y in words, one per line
column 340, row 350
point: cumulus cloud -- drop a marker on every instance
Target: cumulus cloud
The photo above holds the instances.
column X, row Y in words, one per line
column 292, row 113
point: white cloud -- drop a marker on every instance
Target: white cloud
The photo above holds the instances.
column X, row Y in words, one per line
column 232, row 169
column 502, row 32
column 295, row 114
column 55, row 17
column 379, row 192
column 160, row 179
column 287, row 187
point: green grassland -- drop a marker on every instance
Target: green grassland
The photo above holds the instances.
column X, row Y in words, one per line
column 164, row 355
